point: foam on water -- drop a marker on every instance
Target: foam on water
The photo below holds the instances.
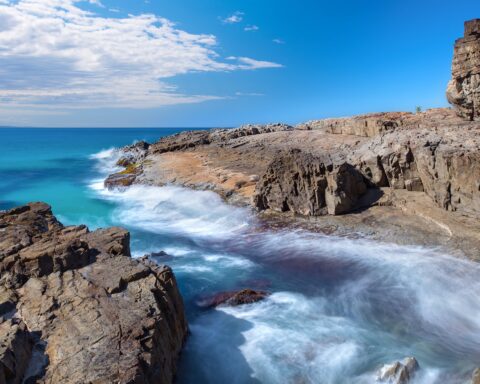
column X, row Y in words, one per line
column 340, row 308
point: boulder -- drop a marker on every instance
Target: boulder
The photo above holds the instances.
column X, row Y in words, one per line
column 398, row 372
column 463, row 90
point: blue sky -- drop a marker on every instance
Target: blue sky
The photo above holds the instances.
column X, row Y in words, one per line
column 202, row 63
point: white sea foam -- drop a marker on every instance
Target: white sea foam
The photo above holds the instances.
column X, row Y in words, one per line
column 369, row 303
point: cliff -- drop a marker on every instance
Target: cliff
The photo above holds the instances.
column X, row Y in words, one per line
column 76, row 308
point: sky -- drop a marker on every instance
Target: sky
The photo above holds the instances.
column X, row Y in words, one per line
column 222, row 63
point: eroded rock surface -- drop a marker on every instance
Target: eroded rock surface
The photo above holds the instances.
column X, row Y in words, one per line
column 463, row 90
column 95, row 314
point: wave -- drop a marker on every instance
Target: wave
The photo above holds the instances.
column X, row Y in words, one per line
column 341, row 307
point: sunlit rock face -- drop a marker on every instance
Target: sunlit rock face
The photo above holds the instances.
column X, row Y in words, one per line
column 463, row 90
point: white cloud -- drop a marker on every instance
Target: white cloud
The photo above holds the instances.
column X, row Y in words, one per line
column 251, row 28
column 248, row 63
column 248, row 94
column 54, row 54
column 278, row 41
column 237, row 17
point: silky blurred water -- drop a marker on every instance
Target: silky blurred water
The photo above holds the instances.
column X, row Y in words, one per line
column 340, row 308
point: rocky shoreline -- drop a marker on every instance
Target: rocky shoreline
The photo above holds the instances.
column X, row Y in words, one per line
column 76, row 308
column 418, row 167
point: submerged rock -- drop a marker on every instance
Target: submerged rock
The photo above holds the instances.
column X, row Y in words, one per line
column 398, row 372
column 234, row 298
column 96, row 314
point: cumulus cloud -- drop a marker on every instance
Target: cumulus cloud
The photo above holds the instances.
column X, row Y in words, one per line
column 237, row 17
column 251, row 28
column 54, row 54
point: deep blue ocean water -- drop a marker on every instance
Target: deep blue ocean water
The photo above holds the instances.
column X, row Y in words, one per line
column 340, row 308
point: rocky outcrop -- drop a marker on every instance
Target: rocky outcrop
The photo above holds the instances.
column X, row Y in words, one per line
column 192, row 139
column 92, row 313
column 463, row 90
column 309, row 185
column 234, row 298
column 398, row 372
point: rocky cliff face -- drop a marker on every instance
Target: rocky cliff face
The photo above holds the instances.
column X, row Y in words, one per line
column 463, row 90
column 308, row 185
column 75, row 308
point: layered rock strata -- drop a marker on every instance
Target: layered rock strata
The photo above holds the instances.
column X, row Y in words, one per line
column 76, row 308
column 463, row 90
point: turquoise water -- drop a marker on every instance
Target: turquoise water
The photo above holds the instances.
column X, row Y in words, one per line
column 340, row 308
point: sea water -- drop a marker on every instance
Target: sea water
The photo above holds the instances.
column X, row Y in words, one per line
column 339, row 307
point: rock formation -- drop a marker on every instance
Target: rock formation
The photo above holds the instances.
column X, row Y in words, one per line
column 75, row 308
column 309, row 185
column 398, row 372
column 463, row 90
column 234, row 298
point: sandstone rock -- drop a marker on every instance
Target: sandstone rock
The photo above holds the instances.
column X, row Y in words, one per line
column 463, row 90
column 309, row 185
column 245, row 296
column 98, row 315
column 398, row 372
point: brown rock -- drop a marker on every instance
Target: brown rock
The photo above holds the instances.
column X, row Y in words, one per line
column 16, row 346
column 463, row 90
column 476, row 376
column 309, row 185
column 103, row 316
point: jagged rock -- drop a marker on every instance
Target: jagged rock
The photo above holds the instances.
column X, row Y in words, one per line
column 98, row 315
column 234, row 298
column 398, row 372
column 309, row 185
column 133, row 154
column 16, row 345
column 463, row 90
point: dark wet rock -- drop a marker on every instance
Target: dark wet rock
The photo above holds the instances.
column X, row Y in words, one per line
column 97, row 314
column 309, row 185
column 233, row 298
column 398, row 372
column 463, row 90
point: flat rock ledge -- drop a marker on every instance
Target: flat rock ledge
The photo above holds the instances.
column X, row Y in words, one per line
column 76, row 308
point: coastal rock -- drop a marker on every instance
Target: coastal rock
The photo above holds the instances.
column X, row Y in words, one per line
column 463, row 90
column 133, row 154
column 398, row 372
column 16, row 346
column 245, row 296
column 96, row 314
column 309, row 185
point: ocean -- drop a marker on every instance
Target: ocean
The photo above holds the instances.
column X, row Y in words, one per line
column 339, row 307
